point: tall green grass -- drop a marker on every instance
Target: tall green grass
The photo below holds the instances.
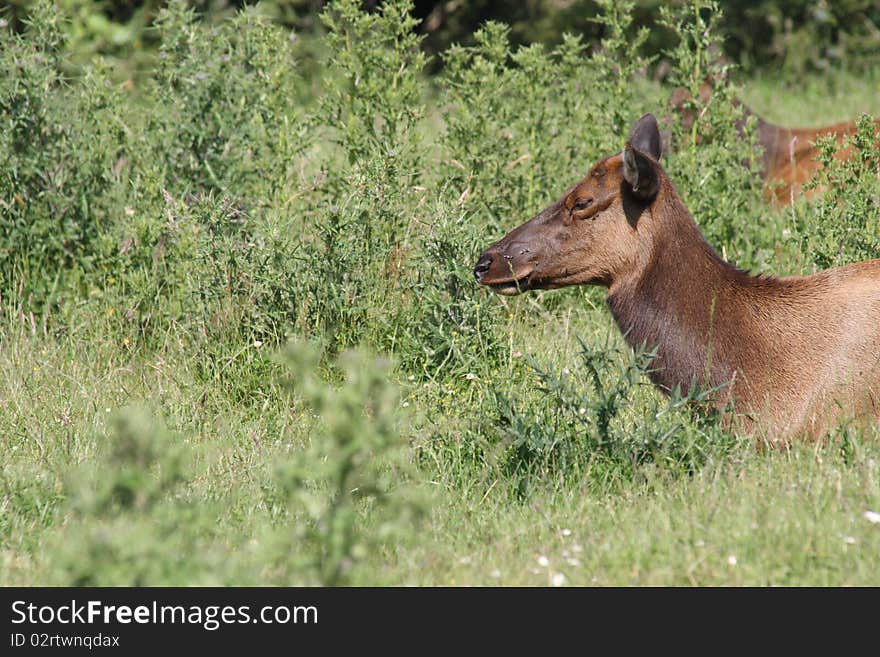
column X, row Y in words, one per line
column 241, row 341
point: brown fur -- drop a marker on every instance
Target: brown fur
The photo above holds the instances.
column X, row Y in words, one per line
column 790, row 156
column 797, row 353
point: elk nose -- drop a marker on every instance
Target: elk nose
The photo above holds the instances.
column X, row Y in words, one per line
column 482, row 266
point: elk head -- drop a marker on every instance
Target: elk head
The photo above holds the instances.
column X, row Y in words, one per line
column 590, row 235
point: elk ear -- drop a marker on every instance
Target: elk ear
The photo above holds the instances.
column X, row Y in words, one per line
column 645, row 136
column 640, row 155
column 639, row 172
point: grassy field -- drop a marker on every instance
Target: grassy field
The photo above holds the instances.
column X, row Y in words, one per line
column 269, row 363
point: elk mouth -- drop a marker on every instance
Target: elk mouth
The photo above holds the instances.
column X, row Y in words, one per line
column 497, row 272
column 513, row 286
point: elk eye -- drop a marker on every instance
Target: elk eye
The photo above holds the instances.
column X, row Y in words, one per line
column 582, row 204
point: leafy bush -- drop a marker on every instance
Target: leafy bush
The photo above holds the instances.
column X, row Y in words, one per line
column 204, row 241
column 514, row 131
column 350, row 492
column 61, row 146
column 228, row 121
column 599, row 413
column 714, row 168
column 844, row 224
column 126, row 525
column 357, row 464
column 361, row 213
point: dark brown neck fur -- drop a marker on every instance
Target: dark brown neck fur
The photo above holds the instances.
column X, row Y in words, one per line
column 687, row 302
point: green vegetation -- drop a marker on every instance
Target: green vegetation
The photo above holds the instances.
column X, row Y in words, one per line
column 240, row 341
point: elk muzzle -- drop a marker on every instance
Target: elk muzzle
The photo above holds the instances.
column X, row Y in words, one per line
column 512, row 264
column 505, row 268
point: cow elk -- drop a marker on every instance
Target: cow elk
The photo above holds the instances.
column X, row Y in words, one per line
column 794, row 355
column 790, row 156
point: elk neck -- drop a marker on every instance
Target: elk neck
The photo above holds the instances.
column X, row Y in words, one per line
column 684, row 300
